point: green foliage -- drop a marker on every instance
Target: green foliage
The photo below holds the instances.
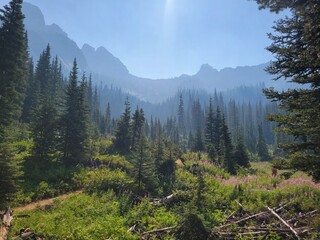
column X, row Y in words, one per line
column 13, row 63
column 115, row 162
column 75, row 136
column 226, row 149
column 241, row 154
column 80, row 217
column 10, row 172
column 185, row 180
column 122, row 141
column 199, row 198
column 296, row 51
column 262, row 147
column 144, row 167
column 43, row 191
column 103, row 180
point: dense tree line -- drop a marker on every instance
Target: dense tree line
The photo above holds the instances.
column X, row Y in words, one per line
column 63, row 115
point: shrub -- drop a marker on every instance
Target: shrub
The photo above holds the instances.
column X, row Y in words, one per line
column 43, row 191
column 101, row 180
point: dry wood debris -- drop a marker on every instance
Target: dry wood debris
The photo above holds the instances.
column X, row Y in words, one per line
column 276, row 220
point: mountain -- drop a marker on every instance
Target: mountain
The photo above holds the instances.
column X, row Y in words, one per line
column 107, row 69
column 40, row 35
column 102, row 62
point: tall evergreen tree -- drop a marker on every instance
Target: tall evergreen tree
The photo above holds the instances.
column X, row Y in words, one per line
column 122, row 141
column 226, row 149
column 13, row 82
column 209, row 128
column 217, row 129
column 44, row 130
column 57, row 82
column 296, row 47
column 43, row 73
column 145, row 169
column 181, row 116
column 138, row 122
column 262, row 148
column 75, row 121
column 240, row 154
column 44, row 113
column 108, row 119
column 13, row 63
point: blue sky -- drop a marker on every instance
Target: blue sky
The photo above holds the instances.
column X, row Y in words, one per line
column 166, row 38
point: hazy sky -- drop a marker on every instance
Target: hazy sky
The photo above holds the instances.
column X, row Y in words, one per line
column 165, row 38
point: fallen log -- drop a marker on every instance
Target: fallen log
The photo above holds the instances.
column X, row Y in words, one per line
column 163, row 201
column 284, row 222
column 5, row 224
column 302, row 216
column 243, row 219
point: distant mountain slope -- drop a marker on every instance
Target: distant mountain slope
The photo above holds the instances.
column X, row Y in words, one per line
column 40, row 35
column 103, row 62
column 107, row 69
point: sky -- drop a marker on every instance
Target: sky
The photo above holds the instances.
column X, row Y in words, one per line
column 167, row 38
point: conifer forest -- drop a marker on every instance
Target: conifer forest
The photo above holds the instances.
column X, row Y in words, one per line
column 83, row 159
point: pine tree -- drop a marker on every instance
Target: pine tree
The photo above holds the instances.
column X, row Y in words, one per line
column 198, row 142
column 13, row 83
column 296, row 47
column 181, row 116
column 96, row 107
column 217, row 130
column 122, row 141
column 166, row 166
column 57, row 83
column 209, row 128
column 44, row 114
column 240, row 153
column 262, row 147
column 13, row 63
column 108, row 119
column 43, row 73
column 159, row 152
column 138, row 122
column 44, row 131
column 212, row 154
column 226, row 149
column 75, row 121
column 145, row 171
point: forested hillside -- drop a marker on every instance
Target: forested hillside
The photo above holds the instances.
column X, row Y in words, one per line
column 199, row 165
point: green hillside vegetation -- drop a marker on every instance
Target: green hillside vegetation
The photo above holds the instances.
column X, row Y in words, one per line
column 109, row 205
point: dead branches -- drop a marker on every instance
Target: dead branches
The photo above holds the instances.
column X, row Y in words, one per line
column 285, row 223
column 265, row 222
